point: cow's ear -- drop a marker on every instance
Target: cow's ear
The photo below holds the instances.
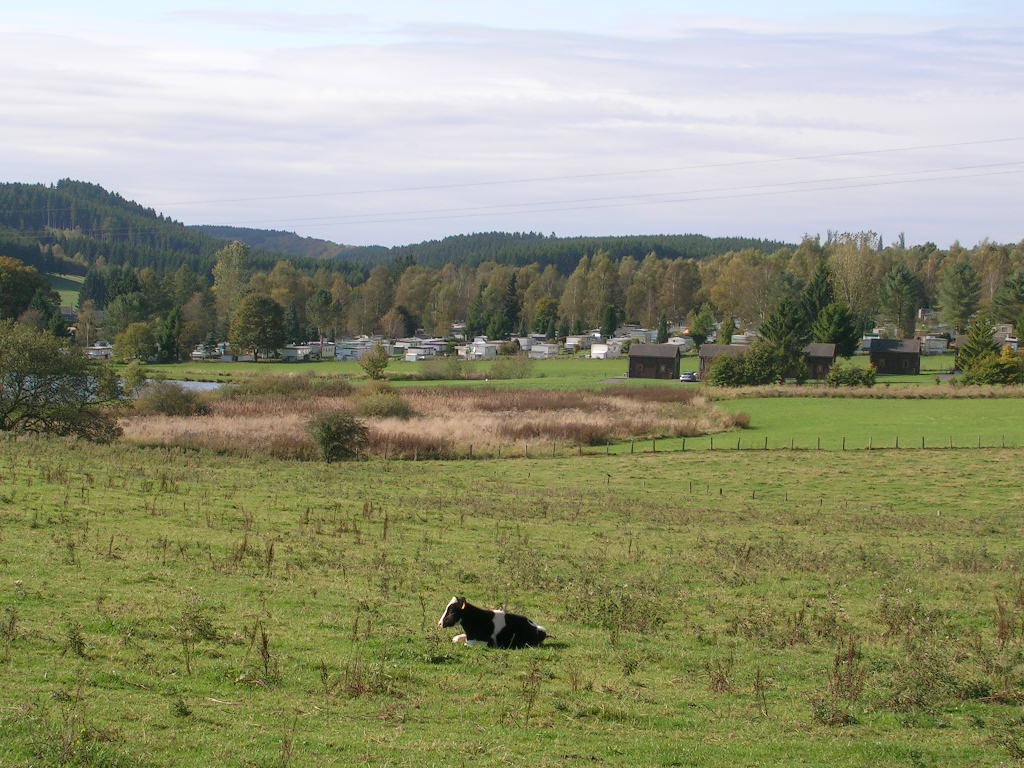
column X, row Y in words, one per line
column 462, row 603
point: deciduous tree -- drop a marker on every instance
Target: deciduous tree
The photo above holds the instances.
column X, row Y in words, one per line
column 257, row 326
column 230, row 279
column 136, row 342
column 48, row 386
column 18, row 285
column 702, row 326
column 375, row 362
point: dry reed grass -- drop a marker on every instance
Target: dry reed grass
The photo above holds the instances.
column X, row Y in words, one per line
column 448, row 422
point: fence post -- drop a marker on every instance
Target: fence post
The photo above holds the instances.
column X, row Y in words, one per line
column 766, row 442
column 712, row 442
column 819, row 442
column 632, row 444
column 526, row 450
column 897, row 441
column 654, row 445
column 869, row 443
column 737, row 443
column 922, row 442
column 579, row 449
column 844, row 442
column 684, row 444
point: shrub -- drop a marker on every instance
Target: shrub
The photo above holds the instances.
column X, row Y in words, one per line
column 52, row 388
column 374, row 362
column 1005, row 368
column 339, row 436
column 728, row 372
column 518, row 367
column 509, row 348
column 381, row 402
column 850, row 375
column 168, row 399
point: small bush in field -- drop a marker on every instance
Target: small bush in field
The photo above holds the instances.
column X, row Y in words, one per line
column 849, row 375
column 374, row 362
column 168, row 399
column 339, row 436
column 381, row 401
column 518, row 367
column 741, row 420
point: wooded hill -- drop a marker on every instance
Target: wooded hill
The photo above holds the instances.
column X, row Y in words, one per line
column 509, row 248
column 69, row 226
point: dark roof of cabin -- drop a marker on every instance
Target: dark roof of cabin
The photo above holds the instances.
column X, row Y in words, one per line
column 896, row 346
column 654, row 350
column 820, row 349
column 722, row 350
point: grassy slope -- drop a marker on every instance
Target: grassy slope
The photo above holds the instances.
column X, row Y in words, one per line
column 68, row 286
column 118, row 564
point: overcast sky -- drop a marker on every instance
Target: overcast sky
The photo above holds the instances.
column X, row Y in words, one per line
column 411, row 121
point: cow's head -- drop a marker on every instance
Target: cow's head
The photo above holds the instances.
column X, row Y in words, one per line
column 452, row 613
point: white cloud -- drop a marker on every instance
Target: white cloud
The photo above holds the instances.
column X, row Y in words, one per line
column 332, row 107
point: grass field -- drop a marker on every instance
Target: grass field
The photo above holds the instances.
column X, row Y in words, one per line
column 881, row 423
column 568, row 372
column 68, row 286
column 160, row 607
column 560, row 373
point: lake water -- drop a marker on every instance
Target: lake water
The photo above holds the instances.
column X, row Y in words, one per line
column 197, row 386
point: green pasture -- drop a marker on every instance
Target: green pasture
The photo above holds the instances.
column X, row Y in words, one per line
column 717, row 608
column 569, row 372
column 68, row 286
column 829, row 423
column 566, row 372
column 846, row 424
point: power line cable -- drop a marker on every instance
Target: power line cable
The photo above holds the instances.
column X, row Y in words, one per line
column 596, row 175
column 603, row 202
column 649, row 197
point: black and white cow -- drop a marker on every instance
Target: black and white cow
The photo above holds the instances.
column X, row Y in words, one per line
column 494, row 628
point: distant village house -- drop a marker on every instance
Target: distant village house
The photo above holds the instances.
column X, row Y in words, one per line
column 653, row 361
column 896, row 356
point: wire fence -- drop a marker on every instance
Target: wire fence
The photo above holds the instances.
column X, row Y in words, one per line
column 725, row 442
